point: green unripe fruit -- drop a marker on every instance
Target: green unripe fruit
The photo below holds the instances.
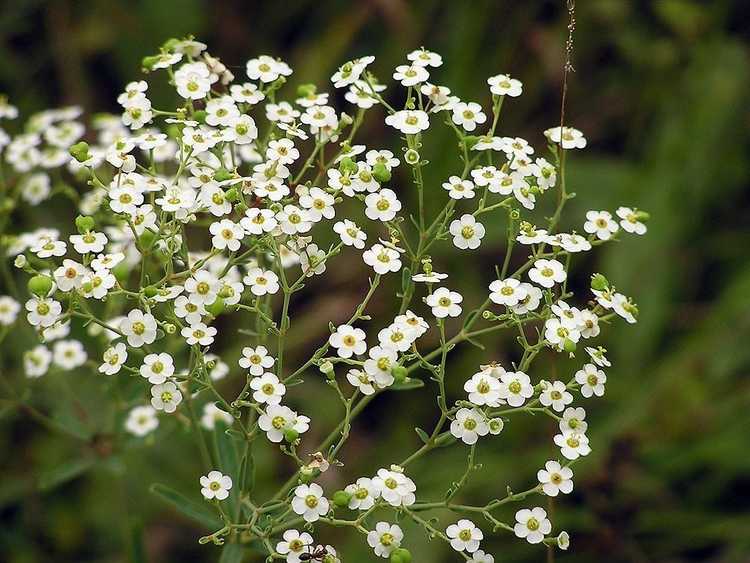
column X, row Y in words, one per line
column 40, row 285
column 291, row 435
column 216, row 308
column 80, row 151
column 599, row 282
column 411, row 157
column 232, row 195
column 569, row 345
column 306, row 90
column 341, row 498
column 170, row 44
column 399, row 373
column 84, row 224
column 347, row 165
column 150, row 291
column 222, row 174
column 381, row 173
column 149, row 62
column 200, row 115
column 642, row 216
column 400, row 555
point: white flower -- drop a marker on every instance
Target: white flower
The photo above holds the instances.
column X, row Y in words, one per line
column 563, row 540
column 42, row 311
column 283, row 112
column 571, row 138
column 198, row 333
column 46, row 248
column 555, row 395
column 97, row 284
column 398, row 336
column 349, row 72
column 157, row 368
column 279, row 419
column 364, row 494
column 458, row 188
column 293, row 220
column 409, row 122
column 193, row 80
column 423, row 57
column 598, row 356
column 480, row 556
column 467, row 115
column 410, row 75
column 215, row 485
column 574, row 420
column 139, row 328
column 469, row 425
column 530, row 302
column 395, row 487
column 556, row 332
column 382, row 206
column 294, row 545
column 261, row 281
column 464, row 535
column 114, row 357
column 555, row 478
column 350, row 233
column 246, row 93
column 189, row 308
column 509, row 292
column 89, row 242
column 547, row 273
column 213, row 414
column 382, row 259
column 362, row 381
column 504, row 85
column 226, row 234
column 203, row 287
column 256, row 360
column 515, row 388
column 591, row 380
column 165, row 397
column 467, row 232
column 348, row 341
column 624, row 307
column 36, row 361
column 318, row 204
column 141, row 420
column 572, row 444
column 385, row 538
column 532, row 524
column 268, row 389
column 9, row 309
column 629, row 221
column 380, row 363
column 600, row 223
column 444, row 302
column 69, row 354
column 266, row 69
column 309, row 502
column 258, row 221
column 483, row 389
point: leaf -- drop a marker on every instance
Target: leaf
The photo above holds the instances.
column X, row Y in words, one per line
column 407, row 385
column 232, row 553
column 422, row 434
column 64, row 472
column 185, row 506
column 405, row 279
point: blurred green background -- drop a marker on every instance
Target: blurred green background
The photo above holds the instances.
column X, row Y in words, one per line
column 661, row 92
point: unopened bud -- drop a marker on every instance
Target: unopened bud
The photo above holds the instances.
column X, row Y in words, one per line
column 599, row 282
column 341, row 498
column 411, row 157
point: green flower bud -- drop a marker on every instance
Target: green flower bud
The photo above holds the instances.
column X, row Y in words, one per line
column 222, row 174
column 150, row 291
column 341, row 498
column 399, row 373
column 345, row 119
column 291, row 435
column 347, row 165
column 642, row 216
column 40, row 285
column 401, row 555
column 381, row 173
column 80, row 151
column 306, row 90
column 599, row 282
column 170, row 44
column 216, row 308
column 169, row 328
column 569, row 345
column 232, row 195
column 84, row 224
column 87, row 287
column 326, row 368
column 20, row 261
column 515, row 214
column 200, row 115
column 411, row 157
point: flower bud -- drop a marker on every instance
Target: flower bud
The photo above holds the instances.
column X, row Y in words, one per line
column 150, row 291
column 642, row 216
column 599, row 282
column 496, row 425
column 341, row 498
column 347, row 165
column 232, row 195
column 399, row 373
column 40, row 285
column 381, row 173
column 80, row 151
column 291, row 435
column 345, row 119
column 306, row 90
column 411, row 157
column 326, row 368
column 515, row 214
column 169, row 328
column 400, row 555
column 84, row 224
column 20, row 261
column 222, row 174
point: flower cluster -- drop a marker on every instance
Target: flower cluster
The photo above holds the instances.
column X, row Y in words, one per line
column 219, row 207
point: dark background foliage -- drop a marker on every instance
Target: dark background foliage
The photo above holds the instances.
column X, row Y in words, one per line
column 660, row 89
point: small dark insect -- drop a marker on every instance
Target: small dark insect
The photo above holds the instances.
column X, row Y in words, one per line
column 316, row 555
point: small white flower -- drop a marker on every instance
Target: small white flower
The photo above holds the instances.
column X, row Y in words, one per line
column 410, row 75
column 509, row 292
column 215, row 485
column 444, row 302
column 114, row 357
column 256, row 360
column 294, row 220
column 157, row 368
column 409, row 122
column 213, row 414
column 268, row 389
column 309, row 502
column 598, row 356
column 9, row 309
column 532, row 525
column 226, row 235
column 141, row 420
column 574, row 420
column 423, row 57
column 530, row 302
column 555, row 478
column 198, row 333
column 555, row 395
column 458, row 188
column 165, row 397
column 350, row 233
column 258, row 221
column 563, row 540
column 515, row 388
column 547, row 273
column 348, row 341
column 294, row 545
column 504, row 85
column 572, row 444
column 480, row 556
column 385, row 538
column 42, row 311
column 261, row 281
column 278, row 419
column 395, row 487
column 88, row 242
column 464, row 535
column 362, row 381
column 382, row 206
column 591, row 380
column 139, row 328
column 600, row 223
column 629, row 221
column 266, row 69
column 483, row 389
column 571, row 138
column 68, row 354
column 467, row 232
column 556, row 333
column 382, row 259
column 36, row 361
column 468, row 115
column 364, row 494
column 469, row 425
column 380, row 363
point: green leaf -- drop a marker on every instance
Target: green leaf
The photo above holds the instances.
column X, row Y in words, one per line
column 407, row 385
column 405, row 279
column 198, row 512
column 64, row 472
column 422, row 434
column 232, row 553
